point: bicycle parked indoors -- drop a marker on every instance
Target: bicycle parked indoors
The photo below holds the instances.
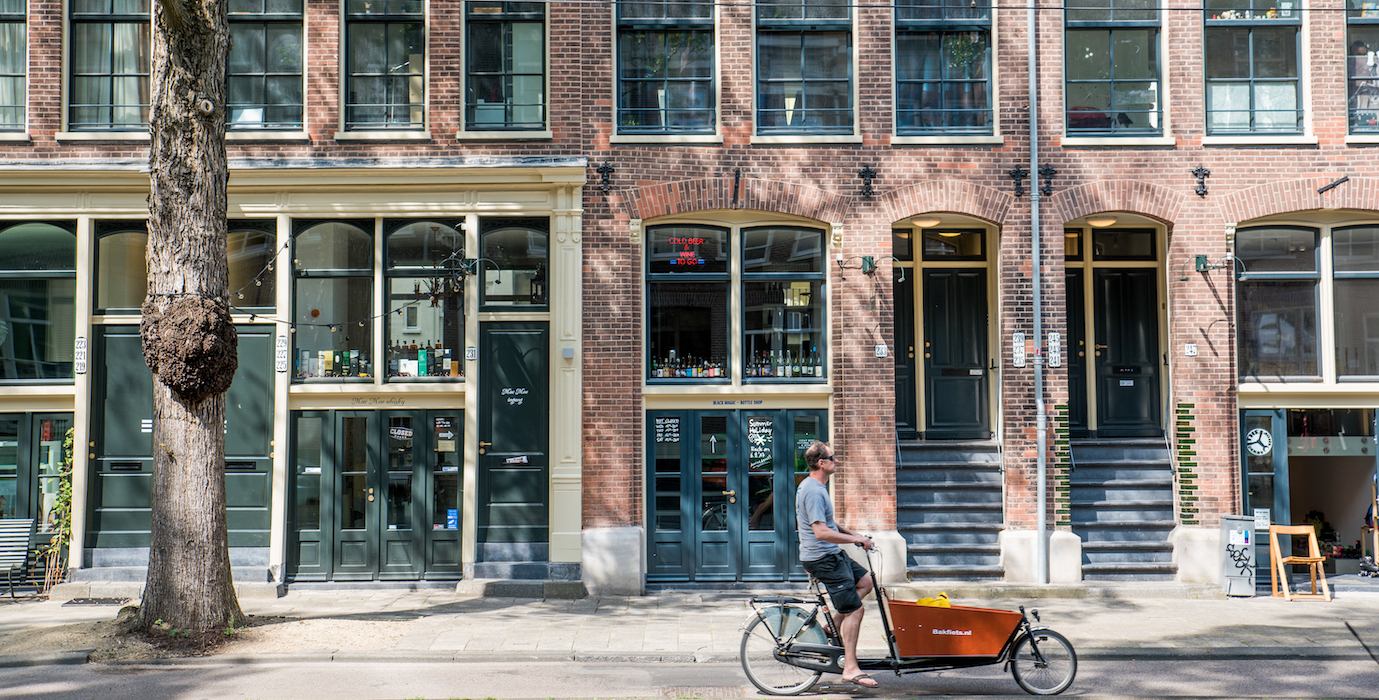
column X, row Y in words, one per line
column 789, row 643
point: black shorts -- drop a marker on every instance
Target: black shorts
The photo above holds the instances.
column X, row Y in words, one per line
column 840, row 574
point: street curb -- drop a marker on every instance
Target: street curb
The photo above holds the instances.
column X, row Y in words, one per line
column 62, row 658
column 1092, row 653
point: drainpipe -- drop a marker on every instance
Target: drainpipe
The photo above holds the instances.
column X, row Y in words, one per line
column 1041, row 542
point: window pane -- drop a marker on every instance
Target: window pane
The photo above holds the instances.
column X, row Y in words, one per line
column 1356, row 249
column 49, row 434
column 251, row 249
column 943, row 82
column 334, row 246
column 37, row 328
column 666, row 438
column 782, row 250
column 1228, row 52
column 343, row 351
column 1363, row 70
column 446, row 474
column 1276, row 52
column 1276, row 250
column 306, row 513
column 38, row 246
column 1277, row 328
column 1123, row 244
column 687, row 331
column 1072, row 244
column 1357, row 327
column 687, row 249
column 426, row 245
column 12, row 71
column 518, row 252
column 804, row 82
column 950, row 243
column 784, row 329
column 1089, row 54
column 121, row 276
column 9, row 466
column 426, row 339
column 901, row 244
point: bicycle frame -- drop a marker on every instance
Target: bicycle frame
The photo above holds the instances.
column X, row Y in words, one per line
column 827, row 658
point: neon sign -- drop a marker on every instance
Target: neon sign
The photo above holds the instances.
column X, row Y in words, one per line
column 687, row 250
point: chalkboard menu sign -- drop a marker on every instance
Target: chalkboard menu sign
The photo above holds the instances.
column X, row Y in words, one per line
column 760, row 441
column 667, row 429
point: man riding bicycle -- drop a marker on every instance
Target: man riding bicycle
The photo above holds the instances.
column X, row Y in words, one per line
column 847, row 581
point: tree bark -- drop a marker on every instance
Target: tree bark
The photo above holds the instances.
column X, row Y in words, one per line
column 188, row 339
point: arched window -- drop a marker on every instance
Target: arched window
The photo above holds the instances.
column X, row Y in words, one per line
column 333, row 299
column 425, row 302
column 37, row 300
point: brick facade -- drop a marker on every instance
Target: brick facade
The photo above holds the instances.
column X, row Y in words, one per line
column 820, row 182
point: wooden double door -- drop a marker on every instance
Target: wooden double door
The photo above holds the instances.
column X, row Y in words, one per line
column 1122, row 364
column 950, row 357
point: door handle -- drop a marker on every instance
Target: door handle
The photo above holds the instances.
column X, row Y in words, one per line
column 732, row 496
column 1102, row 346
column 370, row 494
column 483, row 446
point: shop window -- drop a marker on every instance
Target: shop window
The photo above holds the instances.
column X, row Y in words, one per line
column 110, row 58
column 37, row 300
column 9, row 466
column 31, row 464
column 121, row 270
column 1276, row 302
column 687, row 303
column 505, row 67
column 1252, row 58
column 264, row 68
column 942, row 68
column 1123, row 244
column 13, row 64
column 783, row 304
column 333, row 304
column 954, row 244
column 666, row 67
column 515, row 263
column 1362, row 65
column 385, row 44
column 804, row 67
column 1111, row 54
column 1355, row 256
column 425, row 300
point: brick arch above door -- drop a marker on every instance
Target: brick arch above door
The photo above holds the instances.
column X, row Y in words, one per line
column 723, row 193
column 954, row 196
column 1131, row 196
column 1273, row 198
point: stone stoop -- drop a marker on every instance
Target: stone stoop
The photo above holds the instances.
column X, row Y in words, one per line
column 522, row 588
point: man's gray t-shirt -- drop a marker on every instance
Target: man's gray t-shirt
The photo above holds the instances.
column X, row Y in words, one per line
column 812, row 505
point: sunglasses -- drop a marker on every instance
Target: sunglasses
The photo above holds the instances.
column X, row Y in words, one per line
column 832, row 458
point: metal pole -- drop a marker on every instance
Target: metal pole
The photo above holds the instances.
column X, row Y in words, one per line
column 1041, row 542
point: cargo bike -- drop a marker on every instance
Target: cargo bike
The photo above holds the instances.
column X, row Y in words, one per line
column 789, row 643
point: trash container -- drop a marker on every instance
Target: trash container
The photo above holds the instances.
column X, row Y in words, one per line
column 1238, row 555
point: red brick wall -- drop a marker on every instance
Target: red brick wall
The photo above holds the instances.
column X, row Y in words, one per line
column 820, row 182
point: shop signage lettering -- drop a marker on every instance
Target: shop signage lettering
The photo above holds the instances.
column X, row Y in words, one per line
column 519, row 459
column 515, row 395
column 667, row 429
column 445, row 434
column 738, row 402
column 1262, row 520
column 377, row 401
column 280, row 354
column 452, row 519
column 686, row 250
column 79, row 356
column 760, row 436
column 400, row 433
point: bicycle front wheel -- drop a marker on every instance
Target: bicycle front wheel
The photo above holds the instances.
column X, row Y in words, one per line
column 763, row 638
column 1043, row 662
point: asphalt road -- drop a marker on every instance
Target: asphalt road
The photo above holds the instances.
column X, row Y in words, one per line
column 1348, row 677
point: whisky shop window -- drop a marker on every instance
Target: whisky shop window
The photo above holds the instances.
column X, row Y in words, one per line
column 333, row 305
column 425, row 300
column 687, row 303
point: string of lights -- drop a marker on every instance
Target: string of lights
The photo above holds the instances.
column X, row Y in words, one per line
column 940, row 6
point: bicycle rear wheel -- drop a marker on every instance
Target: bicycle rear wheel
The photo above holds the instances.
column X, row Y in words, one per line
column 761, row 640
column 1046, row 670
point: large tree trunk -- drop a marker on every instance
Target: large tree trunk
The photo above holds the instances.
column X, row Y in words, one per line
column 188, row 338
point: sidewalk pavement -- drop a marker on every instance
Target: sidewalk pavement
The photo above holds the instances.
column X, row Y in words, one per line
column 322, row 625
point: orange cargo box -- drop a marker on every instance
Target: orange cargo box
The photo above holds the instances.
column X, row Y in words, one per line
column 924, row 630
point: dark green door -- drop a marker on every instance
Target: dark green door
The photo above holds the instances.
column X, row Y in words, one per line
column 1264, row 457
column 513, row 434
column 401, row 495
column 313, row 505
column 956, row 394
column 718, row 545
column 1127, row 352
column 358, row 506
column 906, row 425
column 1077, row 353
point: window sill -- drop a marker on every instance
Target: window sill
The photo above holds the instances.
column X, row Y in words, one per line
column 1119, row 141
column 955, row 140
column 1362, row 139
column 132, row 136
column 804, row 139
column 424, row 380
column 383, row 135
column 667, row 139
column 503, row 135
column 14, row 137
column 267, row 136
column 1261, row 140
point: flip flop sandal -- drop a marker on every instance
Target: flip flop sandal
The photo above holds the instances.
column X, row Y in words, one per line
column 856, row 680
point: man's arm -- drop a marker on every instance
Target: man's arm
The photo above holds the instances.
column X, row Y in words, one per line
column 828, row 534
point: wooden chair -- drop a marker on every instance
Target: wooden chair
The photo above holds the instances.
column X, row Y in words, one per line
column 16, row 537
column 1278, row 564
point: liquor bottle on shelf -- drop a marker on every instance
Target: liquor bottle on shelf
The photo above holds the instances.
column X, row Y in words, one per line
column 421, row 361
column 795, row 366
column 817, row 364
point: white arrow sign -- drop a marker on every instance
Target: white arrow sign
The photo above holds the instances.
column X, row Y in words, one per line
column 713, row 444
column 447, row 435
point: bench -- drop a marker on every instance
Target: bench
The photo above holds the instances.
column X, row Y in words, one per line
column 16, row 537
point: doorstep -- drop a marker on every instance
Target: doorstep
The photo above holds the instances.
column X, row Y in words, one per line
column 522, row 588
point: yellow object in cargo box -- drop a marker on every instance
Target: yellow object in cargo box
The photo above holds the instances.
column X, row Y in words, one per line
column 939, row 601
